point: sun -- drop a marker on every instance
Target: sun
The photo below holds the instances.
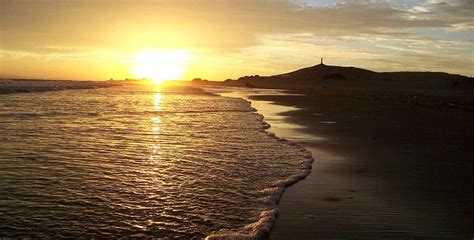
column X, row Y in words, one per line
column 160, row 65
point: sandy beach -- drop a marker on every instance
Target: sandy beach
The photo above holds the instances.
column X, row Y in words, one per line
column 275, row 119
column 395, row 171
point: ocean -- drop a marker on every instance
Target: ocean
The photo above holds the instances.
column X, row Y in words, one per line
column 140, row 161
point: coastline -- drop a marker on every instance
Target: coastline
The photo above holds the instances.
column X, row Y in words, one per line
column 381, row 170
column 269, row 211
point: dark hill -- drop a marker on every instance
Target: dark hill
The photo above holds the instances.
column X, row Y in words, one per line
column 337, row 77
column 322, row 71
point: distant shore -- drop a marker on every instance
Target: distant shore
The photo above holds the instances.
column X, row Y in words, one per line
column 382, row 170
column 462, row 100
column 8, row 86
column 432, row 89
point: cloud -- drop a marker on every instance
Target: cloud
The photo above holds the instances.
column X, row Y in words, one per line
column 250, row 30
column 206, row 23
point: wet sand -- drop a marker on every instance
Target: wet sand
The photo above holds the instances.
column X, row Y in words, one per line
column 382, row 171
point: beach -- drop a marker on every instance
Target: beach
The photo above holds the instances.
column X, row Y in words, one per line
column 381, row 170
column 140, row 161
column 237, row 120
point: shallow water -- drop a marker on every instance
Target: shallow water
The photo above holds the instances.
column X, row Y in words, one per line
column 139, row 161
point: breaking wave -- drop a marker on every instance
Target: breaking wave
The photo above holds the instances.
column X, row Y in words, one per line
column 125, row 162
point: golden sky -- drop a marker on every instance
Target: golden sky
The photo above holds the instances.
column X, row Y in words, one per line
column 100, row 39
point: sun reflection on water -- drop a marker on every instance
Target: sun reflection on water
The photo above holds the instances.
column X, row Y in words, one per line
column 157, row 98
column 155, row 126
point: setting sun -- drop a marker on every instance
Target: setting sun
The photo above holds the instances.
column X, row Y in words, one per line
column 160, row 65
column 236, row 119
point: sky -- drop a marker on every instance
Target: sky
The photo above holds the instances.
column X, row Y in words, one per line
column 100, row 39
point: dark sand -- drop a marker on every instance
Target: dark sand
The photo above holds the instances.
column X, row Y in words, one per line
column 382, row 170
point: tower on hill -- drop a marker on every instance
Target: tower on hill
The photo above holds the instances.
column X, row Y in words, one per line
column 322, row 61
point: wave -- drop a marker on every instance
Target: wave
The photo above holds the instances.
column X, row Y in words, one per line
column 269, row 209
column 107, row 143
column 28, row 115
column 194, row 111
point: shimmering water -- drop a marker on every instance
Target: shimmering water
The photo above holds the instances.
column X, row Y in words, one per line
column 139, row 161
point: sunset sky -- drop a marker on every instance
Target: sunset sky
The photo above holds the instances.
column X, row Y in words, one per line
column 217, row 39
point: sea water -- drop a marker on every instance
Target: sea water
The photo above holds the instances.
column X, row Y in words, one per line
column 140, row 161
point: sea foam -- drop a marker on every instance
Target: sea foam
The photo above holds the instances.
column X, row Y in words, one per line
column 134, row 162
column 269, row 208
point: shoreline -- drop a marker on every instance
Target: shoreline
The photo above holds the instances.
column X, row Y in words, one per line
column 269, row 213
column 381, row 170
column 438, row 99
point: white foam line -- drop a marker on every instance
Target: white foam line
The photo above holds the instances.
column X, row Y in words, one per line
column 269, row 210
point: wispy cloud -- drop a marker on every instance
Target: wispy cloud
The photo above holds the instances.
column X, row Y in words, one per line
column 285, row 34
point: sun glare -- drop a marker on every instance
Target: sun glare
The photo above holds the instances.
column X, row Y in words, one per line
column 160, row 65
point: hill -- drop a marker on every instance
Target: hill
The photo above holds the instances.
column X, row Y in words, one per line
column 351, row 78
column 337, row 77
